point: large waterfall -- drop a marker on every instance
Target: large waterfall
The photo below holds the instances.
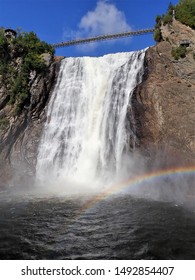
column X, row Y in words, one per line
column 86, row 134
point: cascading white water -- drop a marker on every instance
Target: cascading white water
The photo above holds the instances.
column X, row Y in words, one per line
column 85, row 135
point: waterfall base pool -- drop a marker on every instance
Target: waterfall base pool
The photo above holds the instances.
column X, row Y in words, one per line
column 120, row 227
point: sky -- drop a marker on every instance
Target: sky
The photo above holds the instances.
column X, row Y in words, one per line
column 61, row 20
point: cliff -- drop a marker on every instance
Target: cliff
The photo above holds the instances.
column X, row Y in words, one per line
column 20, row 133
column 163, row 108
column 164, row 103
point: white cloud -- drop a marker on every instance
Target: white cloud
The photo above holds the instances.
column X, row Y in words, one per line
column 104, row 19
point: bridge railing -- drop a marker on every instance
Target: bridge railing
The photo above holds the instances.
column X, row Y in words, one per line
column 102, row 37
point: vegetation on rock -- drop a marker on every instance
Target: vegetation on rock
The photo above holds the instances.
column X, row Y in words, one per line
column 184, row 12
column 164, row 19
column 179, row 52
column 4, row 122
column 18, row 58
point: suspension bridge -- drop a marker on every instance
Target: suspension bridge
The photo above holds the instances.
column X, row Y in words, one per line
column 103, row 37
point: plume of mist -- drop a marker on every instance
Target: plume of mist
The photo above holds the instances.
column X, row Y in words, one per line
column 174, row 188
column 177, row 187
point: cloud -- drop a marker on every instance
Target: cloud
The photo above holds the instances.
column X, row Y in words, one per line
column 104, row 19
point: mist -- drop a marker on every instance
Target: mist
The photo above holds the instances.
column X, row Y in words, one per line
column 137, row 178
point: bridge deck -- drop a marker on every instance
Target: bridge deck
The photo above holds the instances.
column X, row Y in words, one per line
column 102, row 37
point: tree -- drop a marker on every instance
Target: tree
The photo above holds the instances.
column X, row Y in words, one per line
column 157, row 35
column 171, row 7
column 185, row 12
column 29, row 48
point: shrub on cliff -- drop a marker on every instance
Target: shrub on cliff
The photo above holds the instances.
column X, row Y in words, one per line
column 26, row 43
column 184, row 12
column 29, row 49
column 179, row 52
column 4, row 122
column 164, row 19
column 3, row 43
column 157, row 35
column 3, row 51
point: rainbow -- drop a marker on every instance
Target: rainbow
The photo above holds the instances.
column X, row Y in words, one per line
column 136, row 180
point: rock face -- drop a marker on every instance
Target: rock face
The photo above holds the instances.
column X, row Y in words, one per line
column 19, row 139
column 164, row 104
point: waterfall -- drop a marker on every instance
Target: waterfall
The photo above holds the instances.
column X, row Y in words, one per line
column 85, row 136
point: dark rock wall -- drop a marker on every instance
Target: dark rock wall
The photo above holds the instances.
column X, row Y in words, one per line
column 19, row 141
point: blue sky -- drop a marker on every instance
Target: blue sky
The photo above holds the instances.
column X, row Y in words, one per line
column 60, row 20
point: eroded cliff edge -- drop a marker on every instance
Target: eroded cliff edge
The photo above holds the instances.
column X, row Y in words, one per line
column 164, row 103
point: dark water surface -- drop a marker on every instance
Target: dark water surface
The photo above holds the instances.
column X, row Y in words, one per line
column 117, row 228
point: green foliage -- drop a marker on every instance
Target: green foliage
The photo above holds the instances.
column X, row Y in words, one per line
column 158, row 21
column 3, row 51
column 164, row 19
column 3, row 68
column 185, row 12
column 3, row 43
column 29, row 48
column 19, row 88
column 179, row 52
column 167, row 19
column 26, row 43
column 34, row 61
column 157, row 35
column 4, row 122
column 171, row 7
